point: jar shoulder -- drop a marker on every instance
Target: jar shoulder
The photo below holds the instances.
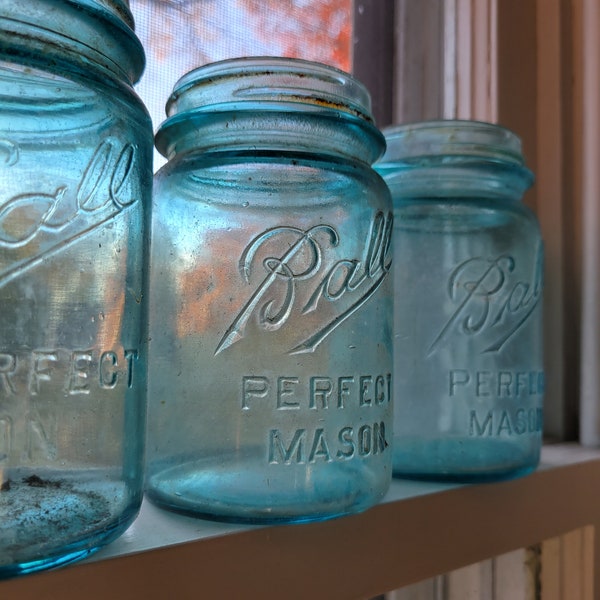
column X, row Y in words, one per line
column 270, row 180
column 46, row 102
column 465, row 214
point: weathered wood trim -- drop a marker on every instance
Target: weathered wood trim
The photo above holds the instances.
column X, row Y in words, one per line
column 373, row 54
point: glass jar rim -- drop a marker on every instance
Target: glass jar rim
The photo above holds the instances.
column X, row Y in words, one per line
column 79, row 27
column 118, row 8
column 454, row 157
column 269, row 83
column 452, row 137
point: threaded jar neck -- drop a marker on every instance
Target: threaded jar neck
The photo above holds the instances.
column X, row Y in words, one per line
column 96, row 32
column 454, row 158
column 270, row 104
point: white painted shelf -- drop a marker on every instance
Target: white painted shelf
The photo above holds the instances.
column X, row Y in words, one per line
column 420, row 530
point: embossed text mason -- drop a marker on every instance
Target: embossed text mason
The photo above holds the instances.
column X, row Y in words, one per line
column 270, row 320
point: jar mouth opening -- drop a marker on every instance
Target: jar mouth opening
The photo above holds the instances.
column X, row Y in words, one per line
column 269, row 83
column 410, row 142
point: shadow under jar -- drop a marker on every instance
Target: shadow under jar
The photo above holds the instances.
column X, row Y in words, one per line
column 75, row 164
column 270, row 316
column 468, row 366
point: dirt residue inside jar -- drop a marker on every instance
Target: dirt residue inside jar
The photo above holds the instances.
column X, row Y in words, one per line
column 42, row 515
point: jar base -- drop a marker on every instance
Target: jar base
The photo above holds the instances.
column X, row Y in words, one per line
column 463, row 460
column 241, row 495
column 48, row 521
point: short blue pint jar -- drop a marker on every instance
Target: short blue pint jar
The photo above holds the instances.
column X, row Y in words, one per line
column 75, row 176
column 468, row 256
column 271, row 297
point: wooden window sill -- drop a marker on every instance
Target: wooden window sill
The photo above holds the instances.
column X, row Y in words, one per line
column 418, row 531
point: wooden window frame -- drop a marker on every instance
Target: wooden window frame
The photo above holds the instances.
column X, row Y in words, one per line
column 519, row 63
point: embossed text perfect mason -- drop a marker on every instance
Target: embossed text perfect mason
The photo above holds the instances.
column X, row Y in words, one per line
column 76, row 175
column 270, row 316
column 468, row 374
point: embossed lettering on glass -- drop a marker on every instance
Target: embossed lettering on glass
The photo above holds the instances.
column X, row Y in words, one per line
column 468, row 370
column 270, row 317
column 75, row 165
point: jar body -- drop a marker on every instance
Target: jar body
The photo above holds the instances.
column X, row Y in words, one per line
column 469, row 376
column 468, row 356
column 76, row 174
column 270, row 327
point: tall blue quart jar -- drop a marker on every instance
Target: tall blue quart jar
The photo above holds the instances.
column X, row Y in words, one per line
column 75, row 174
column 468, row 255
column 271, row 297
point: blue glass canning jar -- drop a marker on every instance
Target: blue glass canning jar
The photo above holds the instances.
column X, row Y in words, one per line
column 270, row 310
column 468, row 370
column 75, row 174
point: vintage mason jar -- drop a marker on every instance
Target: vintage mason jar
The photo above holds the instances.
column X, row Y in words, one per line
column 75, row 173
column 270, row 297
column 468, row 371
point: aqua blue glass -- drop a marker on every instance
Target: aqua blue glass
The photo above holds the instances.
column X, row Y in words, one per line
column 270, row 312
column 75, row 175
column 468, row 366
